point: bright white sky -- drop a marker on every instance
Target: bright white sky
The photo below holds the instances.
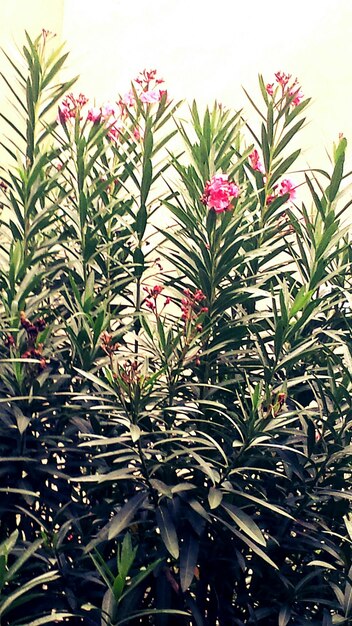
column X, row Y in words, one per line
column 206, row 49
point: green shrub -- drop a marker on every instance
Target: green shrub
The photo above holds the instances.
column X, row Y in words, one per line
column 175, row 410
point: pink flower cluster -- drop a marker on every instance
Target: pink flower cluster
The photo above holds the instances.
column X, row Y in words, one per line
column 255, row 162
column 149, row 91
column 192, row 308
column 153, row 294
column 219, row 192
column 286, row 186
column 71, row 107
column 111, row 115
column 290, row 90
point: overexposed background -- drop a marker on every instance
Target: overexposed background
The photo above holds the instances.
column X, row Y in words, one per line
column 205, row 49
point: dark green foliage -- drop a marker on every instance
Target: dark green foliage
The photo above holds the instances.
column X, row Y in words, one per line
column 175, row 443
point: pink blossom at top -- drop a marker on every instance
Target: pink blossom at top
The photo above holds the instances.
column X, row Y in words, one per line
column 255, row 161
column 290, row 89
column 145, row 77
column 71, row 106
column 147, row 87
column 219, row 192
column 286, row 186
column 282, row 78
column 150, row 96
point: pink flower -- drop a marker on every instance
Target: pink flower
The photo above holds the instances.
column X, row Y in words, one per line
column 290, row 89
column 114, row 131
column 71, row 106
column 286, row 186
column 109, row 109
column 64, row 114
column 94, row 115
column 256, row 162
column 270, row 89
column 218, row 193
column 145, row 77
column 282, row 78
column 297, row 93
column 149, row 97
column 110, row 114
column 270, row 199
column 129, row 99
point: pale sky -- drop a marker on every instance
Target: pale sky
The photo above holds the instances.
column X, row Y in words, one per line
column 205, row 49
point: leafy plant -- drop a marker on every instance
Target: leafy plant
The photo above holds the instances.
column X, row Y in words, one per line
column 175, row 412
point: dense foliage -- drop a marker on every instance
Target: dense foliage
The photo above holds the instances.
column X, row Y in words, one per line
column 176, row 361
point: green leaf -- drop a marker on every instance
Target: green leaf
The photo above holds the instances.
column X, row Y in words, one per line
column 138, row 260
column 119, row 522
column 265, row 149
column 337, row 174
column 245, row 522
column 214, row 497
column 167, row 530
column 49, row 619
column 146, row 181
column 188, row 559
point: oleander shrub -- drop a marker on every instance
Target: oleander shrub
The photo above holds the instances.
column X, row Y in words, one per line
column 175, row 355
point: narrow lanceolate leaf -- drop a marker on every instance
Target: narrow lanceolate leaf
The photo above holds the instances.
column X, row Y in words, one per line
column 140, row 614
column 245, row 523
column 188, row 559
column 284, row 615
column 49, row 619
column 167, row 530
column 26, row 587
column 126, row 515
column 119, row 522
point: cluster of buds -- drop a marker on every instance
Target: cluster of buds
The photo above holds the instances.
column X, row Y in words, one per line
column 128, row 372
column 47, row 33
column 192, row 307
column 10, row 341
column 153, row 294
column 107, row 344
column 71, row 107
column 35, row 353
column 32, row 328
column 255, row 162
column 149, row 91
column 219, row 193
column 290, row 90
column 284, row 225
column 3, row 186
